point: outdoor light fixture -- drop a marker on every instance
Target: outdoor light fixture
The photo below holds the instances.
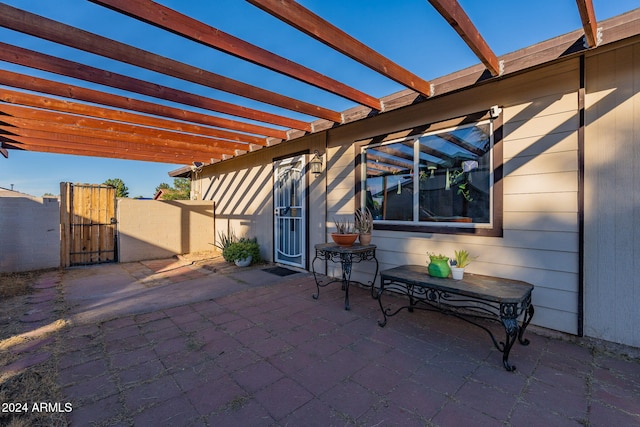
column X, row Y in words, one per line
column 315, row 164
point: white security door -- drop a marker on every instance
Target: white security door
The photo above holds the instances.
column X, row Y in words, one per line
column 289, row 213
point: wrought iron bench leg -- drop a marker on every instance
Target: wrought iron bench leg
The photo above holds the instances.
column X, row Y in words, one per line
column 513, row 330
column 511, row 334
column 528, row 315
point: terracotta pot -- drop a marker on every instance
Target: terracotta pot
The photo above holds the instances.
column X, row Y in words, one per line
column 344, row 239
column 365, row 238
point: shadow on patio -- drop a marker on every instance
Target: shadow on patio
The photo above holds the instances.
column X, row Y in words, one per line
column 185, row 343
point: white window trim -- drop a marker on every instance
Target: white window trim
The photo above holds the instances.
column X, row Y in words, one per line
column 416, row 154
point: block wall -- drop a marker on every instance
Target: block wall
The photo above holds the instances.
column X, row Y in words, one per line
column 29, row 234
column 153, row 229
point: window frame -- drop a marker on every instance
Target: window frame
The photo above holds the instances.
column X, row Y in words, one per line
column 495, row 226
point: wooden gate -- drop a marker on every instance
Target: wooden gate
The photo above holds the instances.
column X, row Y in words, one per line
column 87, row 224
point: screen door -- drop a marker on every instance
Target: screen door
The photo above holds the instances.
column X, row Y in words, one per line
column 289, row 211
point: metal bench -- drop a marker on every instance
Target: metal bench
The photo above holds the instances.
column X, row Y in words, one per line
column 474, row 298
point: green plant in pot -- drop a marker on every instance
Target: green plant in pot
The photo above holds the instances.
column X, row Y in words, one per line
column 460, row 261
column 364, row 225
column 438, row 265
column 243, row 252
column 346, row 233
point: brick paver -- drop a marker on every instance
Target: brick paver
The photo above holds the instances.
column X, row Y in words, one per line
column 272, row 355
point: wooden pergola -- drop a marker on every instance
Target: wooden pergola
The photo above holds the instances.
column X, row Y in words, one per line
column 48, row 116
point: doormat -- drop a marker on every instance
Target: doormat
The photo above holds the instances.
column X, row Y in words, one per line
column 279, row 271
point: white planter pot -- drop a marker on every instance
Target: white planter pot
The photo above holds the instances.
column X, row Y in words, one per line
column 244, row 262
column 457, row 273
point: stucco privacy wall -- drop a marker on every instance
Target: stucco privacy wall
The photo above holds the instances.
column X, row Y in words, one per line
column 29, row 233
column 152, row 229
column 540, row 241
column 612, row 198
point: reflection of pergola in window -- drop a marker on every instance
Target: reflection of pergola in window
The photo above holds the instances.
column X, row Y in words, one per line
column 453, row 154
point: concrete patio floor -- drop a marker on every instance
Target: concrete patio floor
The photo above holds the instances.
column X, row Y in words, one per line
column 168, row 343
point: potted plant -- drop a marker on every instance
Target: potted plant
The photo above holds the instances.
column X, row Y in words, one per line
column 345, row 234
column 462, row 259
column 243, row 252
column 438, row 265
column 364, row 225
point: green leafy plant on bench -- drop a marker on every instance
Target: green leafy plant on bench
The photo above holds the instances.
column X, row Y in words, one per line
column 437, row 257
column 462, row 259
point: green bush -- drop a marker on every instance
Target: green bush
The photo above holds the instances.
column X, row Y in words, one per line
column 242, row 249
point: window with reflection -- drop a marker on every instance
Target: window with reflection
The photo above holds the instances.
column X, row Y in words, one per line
column 445, row 177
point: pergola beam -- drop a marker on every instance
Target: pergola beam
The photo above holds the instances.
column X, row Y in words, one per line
column 47, row 29
column 589, row 23
column 62, row 106
column 23, row 117
column 311, row 24
column 168, row 19
column 110, row 140
column 50, row 87
column 64, row 67
column 461, row 23
column 73, row 148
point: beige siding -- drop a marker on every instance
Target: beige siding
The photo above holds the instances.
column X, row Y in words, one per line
column 612, row 199
column 540, row 242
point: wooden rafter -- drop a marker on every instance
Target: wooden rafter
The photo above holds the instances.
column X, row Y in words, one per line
column 619, row 28
column 589, row 23
column 23, row 117
column 113, row 140
column 311, row 24
column 38, row 26
column 52, row 64
column 50, row 87
column 62, row 106
column 461, row 23
column 171, row 20
column 60, row 146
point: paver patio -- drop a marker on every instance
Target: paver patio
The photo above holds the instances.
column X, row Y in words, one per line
column 246, row 347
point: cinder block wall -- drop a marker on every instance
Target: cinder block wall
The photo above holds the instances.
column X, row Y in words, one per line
column 153, row 229
column 29, row 234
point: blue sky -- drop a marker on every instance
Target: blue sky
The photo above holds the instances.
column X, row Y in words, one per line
column 410, row 32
